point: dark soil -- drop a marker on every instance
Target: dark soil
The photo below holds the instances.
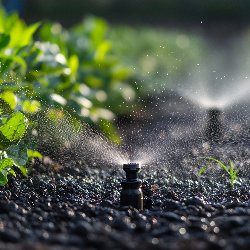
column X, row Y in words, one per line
column 79, row 209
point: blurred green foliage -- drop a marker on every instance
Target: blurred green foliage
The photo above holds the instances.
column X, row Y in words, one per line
column 73, row 69
column 158, row 58
column 94, row 82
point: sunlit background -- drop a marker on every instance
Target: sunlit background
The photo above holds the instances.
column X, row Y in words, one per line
column 110, row 60
column 164, row 43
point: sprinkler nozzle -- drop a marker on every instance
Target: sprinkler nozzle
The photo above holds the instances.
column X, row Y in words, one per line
column 214, row 125
column 131, row 194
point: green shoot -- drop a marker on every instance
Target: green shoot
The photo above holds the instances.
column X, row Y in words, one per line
column 230, row 170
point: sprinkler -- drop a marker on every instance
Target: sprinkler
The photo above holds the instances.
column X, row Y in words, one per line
column 131, row 194
column 214, row 125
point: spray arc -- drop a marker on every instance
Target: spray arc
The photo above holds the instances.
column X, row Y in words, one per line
column 214, row 127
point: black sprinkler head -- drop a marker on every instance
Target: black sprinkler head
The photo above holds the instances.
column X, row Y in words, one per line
column 131, row 194
column 214, row 125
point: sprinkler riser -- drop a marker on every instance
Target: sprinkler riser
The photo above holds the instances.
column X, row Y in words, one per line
column 214, row 127
column 131, row 194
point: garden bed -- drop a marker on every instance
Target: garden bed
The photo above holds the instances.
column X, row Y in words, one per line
column 78, row 208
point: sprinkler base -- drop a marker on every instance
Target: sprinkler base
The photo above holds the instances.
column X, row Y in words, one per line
column 131, row 194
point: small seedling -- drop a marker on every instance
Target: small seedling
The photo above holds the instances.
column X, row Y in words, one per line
column 230, row 170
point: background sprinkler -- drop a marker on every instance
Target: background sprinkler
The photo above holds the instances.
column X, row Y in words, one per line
column 131, row 194
column 214, row 125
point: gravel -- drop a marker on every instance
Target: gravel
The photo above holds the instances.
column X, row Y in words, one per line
column 74, row 209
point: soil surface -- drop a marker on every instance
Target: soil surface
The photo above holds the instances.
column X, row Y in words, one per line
column 77, row 207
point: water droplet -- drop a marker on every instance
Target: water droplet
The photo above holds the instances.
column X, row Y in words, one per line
column 182, row 231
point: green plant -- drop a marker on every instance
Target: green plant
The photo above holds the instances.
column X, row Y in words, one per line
column 230, row 170
column 94, row 82
column 13, row 151
column 70, row 68
column 16, row 106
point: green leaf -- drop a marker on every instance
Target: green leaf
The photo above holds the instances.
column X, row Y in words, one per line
column 24, row 170
column 73, row 64
column 102, row 50
column 9, row 97
column 18, row 153
column 120, row 73
column 15, row 127
column 202, row 170
column 34, row 154
column 219, row 162
column 6, row 169
column 31, row 106
column 20, row 34
column 5, row 108
column 4, row 40
column 93, row 81
column 28, row 33
column 3, row 180
column 6, row 163
column 231, row 168
column 8, row 60
column 96, row 27
column 12, row 172
column 16, row 33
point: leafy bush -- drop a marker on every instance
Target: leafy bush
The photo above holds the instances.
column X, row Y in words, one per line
column 93, row 82
column 15, row 40
column 94, row 72
column 13, row 151
column 73, row 69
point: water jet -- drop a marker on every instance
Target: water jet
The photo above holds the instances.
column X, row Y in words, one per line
column 131, row 194
column 214, row 125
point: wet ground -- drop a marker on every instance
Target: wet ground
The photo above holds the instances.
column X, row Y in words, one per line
column 72, row 206
column 79, row 209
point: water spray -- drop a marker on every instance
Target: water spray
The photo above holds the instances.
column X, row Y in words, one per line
column 131, row 194
column 214, row 125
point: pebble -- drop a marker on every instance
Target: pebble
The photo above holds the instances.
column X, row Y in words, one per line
column 195, row 201
column 10, row 236
column 170, row 216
